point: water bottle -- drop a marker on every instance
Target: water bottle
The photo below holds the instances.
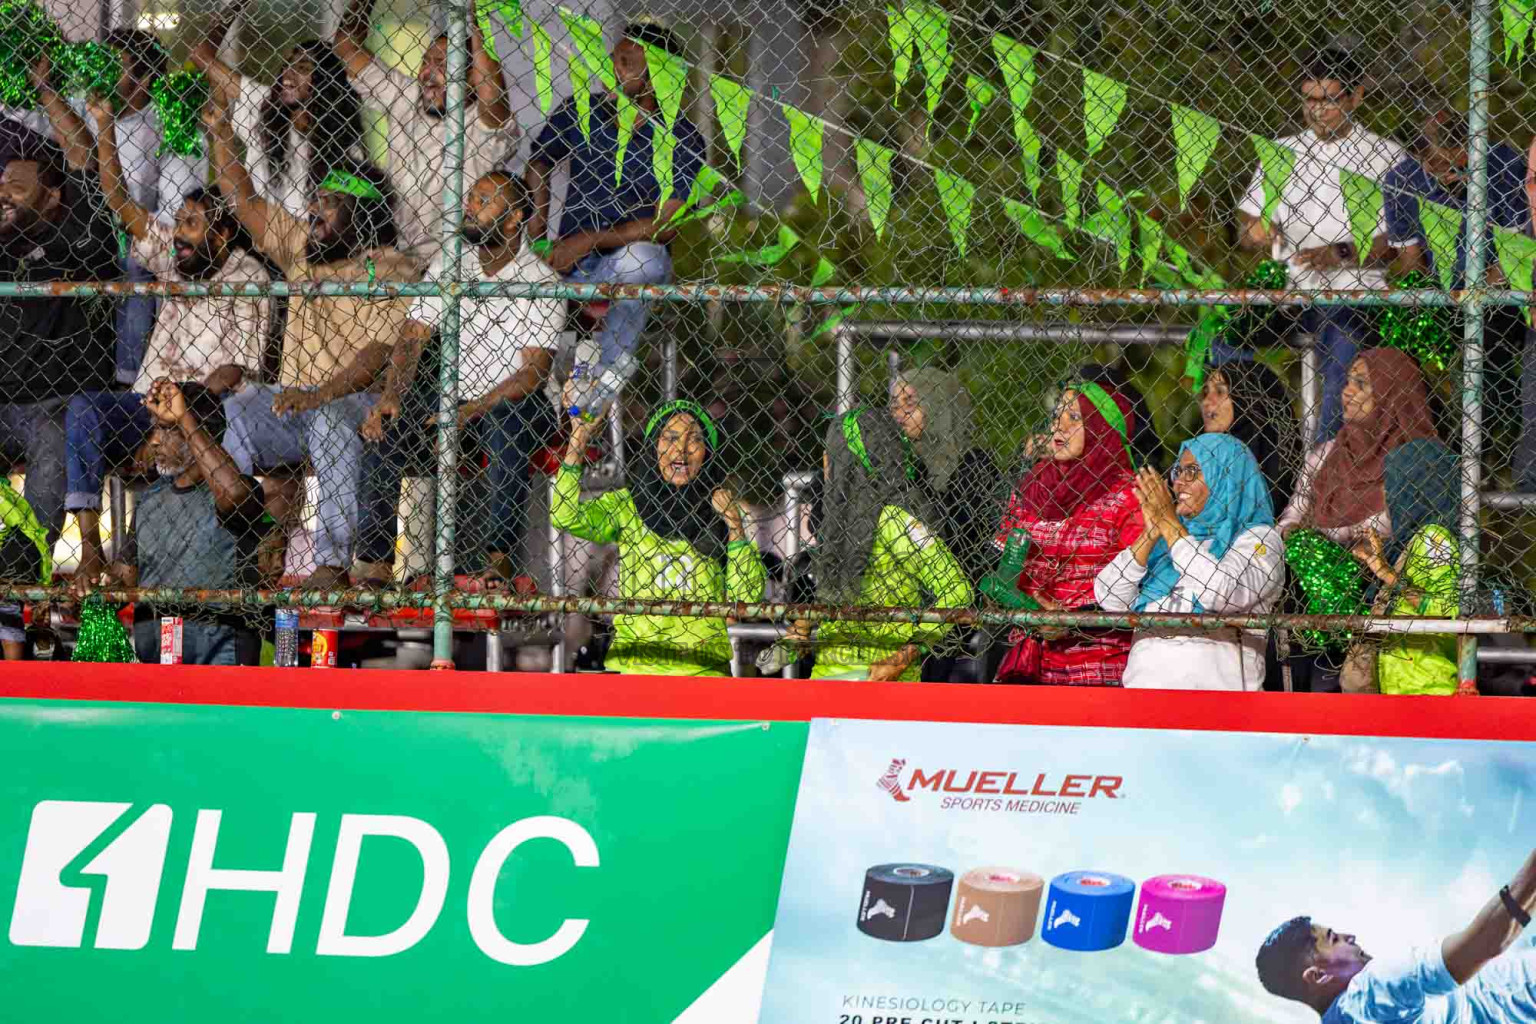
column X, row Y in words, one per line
column 1002, row 583
column 582, row 385
column 286, row 643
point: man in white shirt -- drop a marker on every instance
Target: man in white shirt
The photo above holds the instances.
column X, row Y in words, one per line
column 1309, row 228
column 506, row 349
column 418, row 128
column 1469, row 978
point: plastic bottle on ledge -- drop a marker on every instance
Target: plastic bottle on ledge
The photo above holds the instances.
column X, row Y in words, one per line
column 286, row 642
column 1002, row 583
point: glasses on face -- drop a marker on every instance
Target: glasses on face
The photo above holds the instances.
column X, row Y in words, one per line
column 1189, row 474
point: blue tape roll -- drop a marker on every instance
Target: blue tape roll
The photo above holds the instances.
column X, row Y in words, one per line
column 1087, row 911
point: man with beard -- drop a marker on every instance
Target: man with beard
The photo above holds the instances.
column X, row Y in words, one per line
column 1478, row 975
column 51, row 349
column 196, row 526
column 214, row 339
column 333, row 346
column 418, row 130
column 506, row 348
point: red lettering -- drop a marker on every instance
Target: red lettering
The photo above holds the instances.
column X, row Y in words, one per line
column 921, row 781
column 988, row 782
column 950, row 787
column 1008, row 788
column 1072, row 785
column 1040, row 781
column 1106, row 784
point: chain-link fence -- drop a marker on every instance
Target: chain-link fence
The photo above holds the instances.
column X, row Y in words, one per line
column 1065, row 342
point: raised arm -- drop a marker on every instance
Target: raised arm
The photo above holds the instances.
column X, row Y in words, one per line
column 351, row 40
column 205, row 55
column 231, row 488
column 486, row 77
column 1494, row 928
column 233, row 179
column 73, row 136
column 135, row 218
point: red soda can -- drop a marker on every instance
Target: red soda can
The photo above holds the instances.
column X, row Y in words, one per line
column 322, row 648
column 170, row 639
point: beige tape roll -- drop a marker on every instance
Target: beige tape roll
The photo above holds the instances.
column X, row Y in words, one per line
column 996, row 907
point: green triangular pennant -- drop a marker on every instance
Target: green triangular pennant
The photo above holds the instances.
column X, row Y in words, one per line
column 956, row 195
column 731, row 103
column 704, row 185
column 768, row 255
column 663, row 142
column 582, row 92
column 1277, row 162
column 669, row 80
column 587, row 41
column 1442, row 230
column 543, row 59
column 830, row 322
column 1103, row 100
column 1017, row 63
column 1069, row 171
column 1518, row 17
column 930, row 25
column 875, row 176
column 1517, row 254
column 805, row 142
column 1034, row 226
column 1195, row 135
column 1363, row 201
column 980, row 92
column 511, row 12
column 1152, row 239
column 899, row 30
column 825, row 271
column 1112, row 223
column 629, row 120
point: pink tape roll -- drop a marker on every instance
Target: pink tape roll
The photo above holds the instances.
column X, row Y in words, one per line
column 1179, row 913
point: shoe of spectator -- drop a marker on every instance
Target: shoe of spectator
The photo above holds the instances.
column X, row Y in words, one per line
column 328, row 577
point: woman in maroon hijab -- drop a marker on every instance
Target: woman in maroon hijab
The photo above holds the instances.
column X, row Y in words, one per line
column 1077, row 506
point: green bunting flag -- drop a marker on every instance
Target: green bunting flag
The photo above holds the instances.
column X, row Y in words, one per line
column 1518, row 17
column 587, row 41
column 830, row 322
column 1103, row 101
column 980, row 92
column 731, row 103
column 582, row 91
column 931, row 27
column 875, row 177
column 805, row 143
column 663, row 143
column 1017, row 63
column 1029, row 152
column 1034, row 226
column 629, row 120
column 511, row 12
column 697, row 206
column 1152, row 239
column 1069, row 171
column 1112, row 223
column 1277, row 162
column 768, row 255
column 669, row 79
column 1195, row 136
column 825, row 271
column 1364, row 203
column 1517, row 255
column 543, row 59
column 956, row 195
column 899, row 30
column 1442, row 230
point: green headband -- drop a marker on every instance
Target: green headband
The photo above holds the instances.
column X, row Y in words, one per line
column 351, row 185
column 693, row 409
column 1109, row 410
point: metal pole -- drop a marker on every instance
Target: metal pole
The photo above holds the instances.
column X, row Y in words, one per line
column 556, row 583
column 1472, row 306
column 669, row 368
column 448, row 399
column 1311, row 390
column 844, row 355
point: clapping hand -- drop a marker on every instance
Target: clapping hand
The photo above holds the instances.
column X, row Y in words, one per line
column 1156, row 500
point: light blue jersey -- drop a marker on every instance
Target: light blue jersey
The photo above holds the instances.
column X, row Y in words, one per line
column 1421, row 991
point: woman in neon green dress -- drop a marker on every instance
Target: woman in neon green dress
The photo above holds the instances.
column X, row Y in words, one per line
column 680, row 538
column 874, row 548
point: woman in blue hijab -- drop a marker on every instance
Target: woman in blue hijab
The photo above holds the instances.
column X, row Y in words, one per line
column 1207, row 545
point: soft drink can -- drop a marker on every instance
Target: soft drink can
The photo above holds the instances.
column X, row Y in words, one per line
column 322, row 648
column 170, row 639
column 286, row 641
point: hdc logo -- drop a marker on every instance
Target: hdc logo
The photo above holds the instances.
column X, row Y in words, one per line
column 80, row 852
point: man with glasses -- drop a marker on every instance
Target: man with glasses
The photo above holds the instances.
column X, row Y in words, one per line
column 1309, row 228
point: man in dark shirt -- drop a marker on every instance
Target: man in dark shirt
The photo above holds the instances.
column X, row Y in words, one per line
column 614, row 233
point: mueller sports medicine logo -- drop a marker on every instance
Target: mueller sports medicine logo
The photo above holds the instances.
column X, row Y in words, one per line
column 111, row 856
column 975, row 789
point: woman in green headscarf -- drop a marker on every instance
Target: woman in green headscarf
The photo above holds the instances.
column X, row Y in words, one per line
column 874, row 548
column 680, row 537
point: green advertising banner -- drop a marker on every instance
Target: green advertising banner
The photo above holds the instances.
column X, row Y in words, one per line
column 184, row 863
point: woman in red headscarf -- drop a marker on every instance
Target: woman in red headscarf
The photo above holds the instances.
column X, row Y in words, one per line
column 1079, row 510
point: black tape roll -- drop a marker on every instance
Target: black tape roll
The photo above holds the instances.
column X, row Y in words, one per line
column 905, row 902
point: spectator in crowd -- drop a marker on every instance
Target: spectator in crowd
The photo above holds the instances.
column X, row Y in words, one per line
column 418, row 129
column 217, row 340
column 506, row 349
column 1310, row 227
column 1419, row 566
column 1251, row 402
column 874, row 547
column 334, row 347
column 1146, row 446
column 610, row 231
column 16, row 517
column 1078, row 509
column 155, row 178
column 197, row 526
column 1437, row 171
column 297, row 130
column 681, row 537
column 1209, row 546
column 51, row 349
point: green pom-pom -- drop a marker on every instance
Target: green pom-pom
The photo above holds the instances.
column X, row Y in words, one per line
column 87, row 69
column 1330, row 581
column 1238, row 328
column 1427, row 333
column 102, row 637
column 26, row 33
column 179, row 99
column 1270, row 275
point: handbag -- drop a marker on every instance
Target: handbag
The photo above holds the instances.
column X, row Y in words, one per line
column 1022, row 662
